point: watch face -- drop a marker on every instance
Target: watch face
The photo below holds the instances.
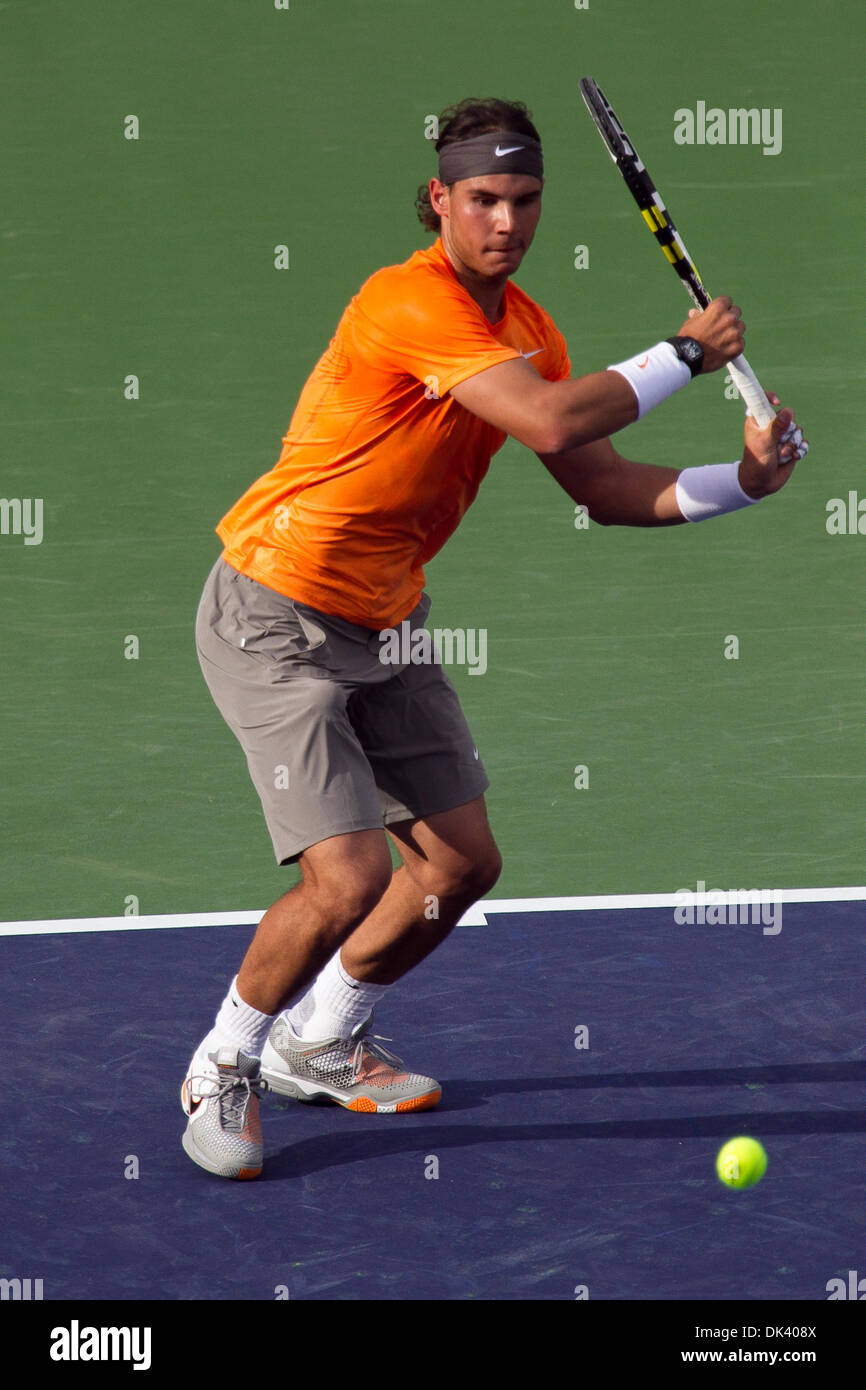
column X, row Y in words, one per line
column 692, row 351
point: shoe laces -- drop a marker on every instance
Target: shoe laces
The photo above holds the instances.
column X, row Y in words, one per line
column 234, row 1093
column 373, row 1043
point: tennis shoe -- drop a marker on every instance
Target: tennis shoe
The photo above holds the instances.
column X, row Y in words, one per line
column 220, row 1096
column 356, row 1072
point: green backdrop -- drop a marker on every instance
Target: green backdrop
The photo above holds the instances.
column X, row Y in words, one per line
column 154, row 257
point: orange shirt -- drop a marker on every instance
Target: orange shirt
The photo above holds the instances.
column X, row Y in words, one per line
column 380, row 462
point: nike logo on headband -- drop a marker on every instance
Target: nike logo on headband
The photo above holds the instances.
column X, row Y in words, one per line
column 509, row 149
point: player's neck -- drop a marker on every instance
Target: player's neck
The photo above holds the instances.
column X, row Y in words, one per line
column 490, row 298
column 488, row 293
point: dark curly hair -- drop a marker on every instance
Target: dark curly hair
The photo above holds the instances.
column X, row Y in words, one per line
column 472, row 116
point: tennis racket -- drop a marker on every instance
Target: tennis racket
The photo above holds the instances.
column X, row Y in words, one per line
column 662, row 226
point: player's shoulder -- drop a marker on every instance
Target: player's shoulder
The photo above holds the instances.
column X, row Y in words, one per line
column 422, row 279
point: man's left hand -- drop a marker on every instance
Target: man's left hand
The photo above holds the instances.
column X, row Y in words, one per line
column 770, row 454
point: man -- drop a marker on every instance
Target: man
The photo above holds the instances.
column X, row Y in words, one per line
column 433, row 364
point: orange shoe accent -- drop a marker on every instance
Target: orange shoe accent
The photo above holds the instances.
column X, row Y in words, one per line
column 421, row 1102
column 365, row 1105
column 249, row 1172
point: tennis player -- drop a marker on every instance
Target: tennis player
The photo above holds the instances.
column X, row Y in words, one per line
column 433, row 364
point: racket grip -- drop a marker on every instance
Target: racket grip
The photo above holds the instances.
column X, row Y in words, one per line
column 751, row 391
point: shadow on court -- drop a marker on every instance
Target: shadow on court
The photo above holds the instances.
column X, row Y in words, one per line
column 333, row 1151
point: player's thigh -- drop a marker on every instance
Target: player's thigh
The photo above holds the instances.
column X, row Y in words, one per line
column 303, row 754
column 418, row 743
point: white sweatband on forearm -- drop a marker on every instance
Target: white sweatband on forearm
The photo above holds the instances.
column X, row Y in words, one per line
column 653, row 375
column 711, row 491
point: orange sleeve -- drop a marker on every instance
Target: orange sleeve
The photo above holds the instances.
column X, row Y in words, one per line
column 565, row 362
column 428, row 330
column 553, row 363
column 562, row 371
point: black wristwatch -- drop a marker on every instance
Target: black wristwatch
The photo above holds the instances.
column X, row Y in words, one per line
column 688, row 350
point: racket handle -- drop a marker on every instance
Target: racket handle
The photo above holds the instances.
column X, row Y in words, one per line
column 751, row 391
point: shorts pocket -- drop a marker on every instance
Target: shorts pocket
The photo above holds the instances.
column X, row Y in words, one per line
column 266, row 625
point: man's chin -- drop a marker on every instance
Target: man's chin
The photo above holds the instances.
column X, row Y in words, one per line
column 505, row 258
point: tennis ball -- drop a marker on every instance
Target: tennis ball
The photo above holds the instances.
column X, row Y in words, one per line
column 741, row 1162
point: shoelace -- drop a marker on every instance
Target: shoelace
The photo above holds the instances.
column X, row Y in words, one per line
column 373, row 1041
column 233, row 1107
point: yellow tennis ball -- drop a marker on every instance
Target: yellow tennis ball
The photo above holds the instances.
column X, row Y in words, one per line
column 741, row 1162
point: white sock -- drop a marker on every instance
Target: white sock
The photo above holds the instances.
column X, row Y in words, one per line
column 334, row 1004
column 238, row 1025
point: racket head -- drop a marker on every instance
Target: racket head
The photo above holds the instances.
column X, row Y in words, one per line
column 643, row 190
column 612, row 132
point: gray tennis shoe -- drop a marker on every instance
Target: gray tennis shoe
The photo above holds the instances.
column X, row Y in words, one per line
column 356, row 1072
column 220, row 1096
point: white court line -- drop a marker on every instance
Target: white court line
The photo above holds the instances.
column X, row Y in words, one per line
column 476, row 916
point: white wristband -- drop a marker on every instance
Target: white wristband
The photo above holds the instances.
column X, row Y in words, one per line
column 711, row 491
column 653, row 376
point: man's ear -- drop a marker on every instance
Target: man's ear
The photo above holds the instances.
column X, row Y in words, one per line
column 438, row 196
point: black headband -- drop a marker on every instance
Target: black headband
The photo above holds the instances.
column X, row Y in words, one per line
column 494, row 152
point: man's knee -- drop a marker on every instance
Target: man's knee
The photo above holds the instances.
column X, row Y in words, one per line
column 348, row 882
column 468, row 878
column 487, row 871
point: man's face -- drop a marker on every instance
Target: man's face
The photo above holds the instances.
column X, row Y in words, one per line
column 488, row 222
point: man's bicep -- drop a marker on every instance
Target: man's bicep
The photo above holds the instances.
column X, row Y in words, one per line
column 513, row 398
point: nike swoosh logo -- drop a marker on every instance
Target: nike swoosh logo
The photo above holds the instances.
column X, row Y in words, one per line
column 509, row 149
column 642, row 364
column 533, row 353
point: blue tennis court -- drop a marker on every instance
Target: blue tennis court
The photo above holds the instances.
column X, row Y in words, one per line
column 593, row 1062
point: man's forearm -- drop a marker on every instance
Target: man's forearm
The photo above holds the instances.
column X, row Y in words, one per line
column 552, row 417
column 597, row 406
column 615, row 491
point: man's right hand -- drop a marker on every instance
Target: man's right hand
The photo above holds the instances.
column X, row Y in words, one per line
column 719, row 330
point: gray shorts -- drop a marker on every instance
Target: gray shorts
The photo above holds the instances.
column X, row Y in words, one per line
column 335, row 740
